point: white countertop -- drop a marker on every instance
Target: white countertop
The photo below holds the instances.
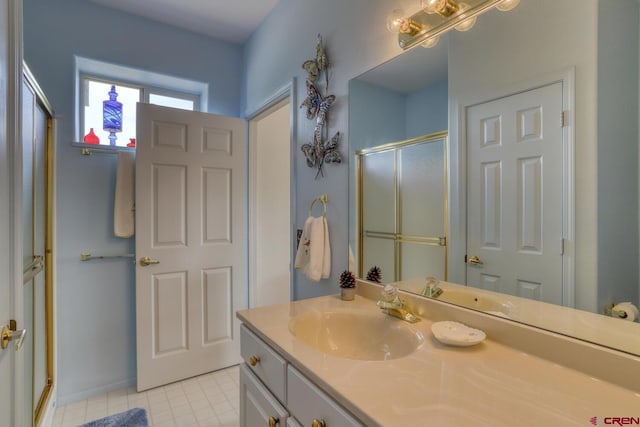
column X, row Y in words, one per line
column 489, row 384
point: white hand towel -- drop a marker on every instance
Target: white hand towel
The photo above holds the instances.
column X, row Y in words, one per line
column 326, row 258
column 123, row 210
column 314, row 252
column 315, row 268
column 302, row 255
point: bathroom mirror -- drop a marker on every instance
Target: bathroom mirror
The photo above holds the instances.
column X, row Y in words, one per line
column 589, row 51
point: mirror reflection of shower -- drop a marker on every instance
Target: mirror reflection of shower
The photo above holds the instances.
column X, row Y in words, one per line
column 402, row 187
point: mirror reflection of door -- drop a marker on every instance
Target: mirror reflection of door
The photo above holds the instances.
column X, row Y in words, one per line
column 403, row 189
column 514, row 196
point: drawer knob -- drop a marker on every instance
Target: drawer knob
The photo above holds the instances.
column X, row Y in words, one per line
column 254, row 360
column 316, row 423
column 273, row 421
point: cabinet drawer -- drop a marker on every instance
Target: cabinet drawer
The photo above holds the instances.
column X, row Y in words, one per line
column 307, row 402
column 264, row 362
column 258, row 407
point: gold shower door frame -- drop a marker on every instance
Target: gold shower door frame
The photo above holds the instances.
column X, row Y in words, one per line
column 397, row 237
column 41, row 397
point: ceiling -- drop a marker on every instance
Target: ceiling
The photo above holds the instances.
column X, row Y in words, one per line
column 230, row 20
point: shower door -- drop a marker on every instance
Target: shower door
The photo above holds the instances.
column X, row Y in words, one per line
column 36, row 215
column 403, row 208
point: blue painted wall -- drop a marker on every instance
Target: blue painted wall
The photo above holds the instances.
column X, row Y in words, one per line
column 376, row 115
column 95, row 301
column 427, row 110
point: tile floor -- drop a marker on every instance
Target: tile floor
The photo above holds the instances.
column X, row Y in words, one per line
column 210, row 400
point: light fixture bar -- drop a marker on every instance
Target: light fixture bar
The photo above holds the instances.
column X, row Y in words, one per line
column 433, row 24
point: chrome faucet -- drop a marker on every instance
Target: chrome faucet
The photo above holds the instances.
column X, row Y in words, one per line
column 392, row 305
column 432, row 288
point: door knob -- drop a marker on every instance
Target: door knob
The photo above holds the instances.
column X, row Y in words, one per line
column 8, row 335
column 273, row 421
column 475, row 260
column 318, row 423
column 254, row 360
column 146, row 261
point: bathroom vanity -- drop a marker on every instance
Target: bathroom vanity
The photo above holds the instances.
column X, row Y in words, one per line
column 294, row 375
column 268, row 383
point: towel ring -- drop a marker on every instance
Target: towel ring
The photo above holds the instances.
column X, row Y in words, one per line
column 322, row 198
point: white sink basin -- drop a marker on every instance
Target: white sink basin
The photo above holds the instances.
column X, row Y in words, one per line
column 360, row 335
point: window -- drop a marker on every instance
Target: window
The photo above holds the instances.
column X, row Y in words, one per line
column 108, row 95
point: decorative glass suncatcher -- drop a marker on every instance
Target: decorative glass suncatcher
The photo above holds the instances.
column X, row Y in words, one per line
column 112, row 115
column 322, row 149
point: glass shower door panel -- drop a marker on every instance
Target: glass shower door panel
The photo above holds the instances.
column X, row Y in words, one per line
column 28, row 235
column 418, row 260
column 378, row 203
column 40, row 368
column 378, row 192
column 381, row 253
column 422, row 189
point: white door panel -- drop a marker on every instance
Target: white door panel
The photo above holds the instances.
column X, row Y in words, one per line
column 515, row 184
column 190, row 170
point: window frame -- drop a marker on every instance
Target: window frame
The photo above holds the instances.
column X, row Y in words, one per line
column 147, row 81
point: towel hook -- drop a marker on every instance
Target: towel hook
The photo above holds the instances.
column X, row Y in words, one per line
column 322, row 198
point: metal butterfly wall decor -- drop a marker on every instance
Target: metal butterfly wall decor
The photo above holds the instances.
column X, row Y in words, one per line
column 322, row 149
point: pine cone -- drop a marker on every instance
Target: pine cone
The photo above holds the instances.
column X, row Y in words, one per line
column 347, row 279
column 374, row 274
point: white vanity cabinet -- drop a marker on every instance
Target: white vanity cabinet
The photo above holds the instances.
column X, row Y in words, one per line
column 274, row 393
column 263, row 361
column 311, row 406
column 258, row 407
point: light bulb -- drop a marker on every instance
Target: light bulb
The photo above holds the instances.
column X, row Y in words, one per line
column 506, row 5
column 397, row 23
column 430, row 42
column 394, row 20
column 465, row 24
column 441, row 7
column 432, row 6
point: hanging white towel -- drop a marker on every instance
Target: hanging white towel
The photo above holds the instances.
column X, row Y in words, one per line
column 326, row 258
column 314, row 250
column 124, row 203
column 302, row 256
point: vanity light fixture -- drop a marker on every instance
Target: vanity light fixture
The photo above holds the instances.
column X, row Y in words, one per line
column 398, row 23
column 439, row 16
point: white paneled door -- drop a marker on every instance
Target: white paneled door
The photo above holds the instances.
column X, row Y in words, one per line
column 190, row 180
column 515, row 194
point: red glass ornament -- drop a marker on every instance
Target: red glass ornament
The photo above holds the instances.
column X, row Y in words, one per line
column 91, row 138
